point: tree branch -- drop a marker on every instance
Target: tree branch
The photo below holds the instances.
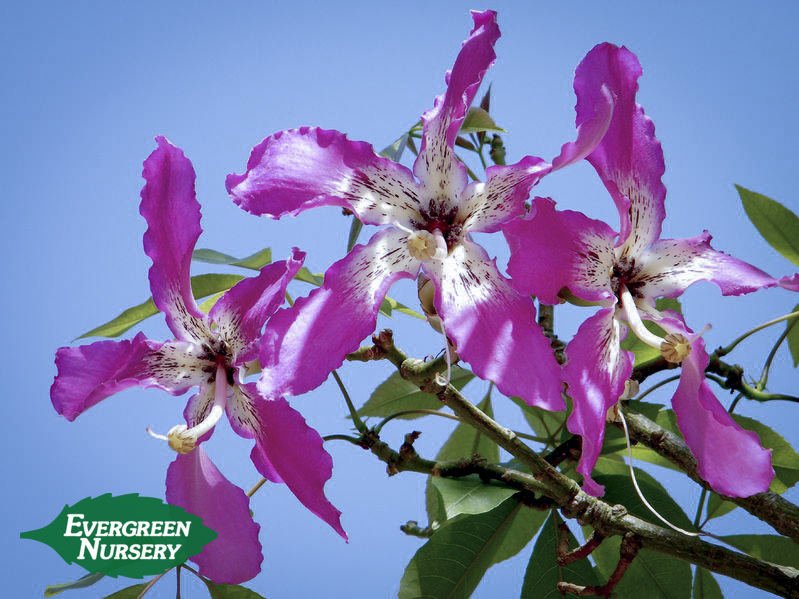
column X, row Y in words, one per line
column 778, row 512
column 607, row 520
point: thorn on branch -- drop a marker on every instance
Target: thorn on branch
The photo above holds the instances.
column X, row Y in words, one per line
column 630, row 545
column 412, row 528
column 568, row 450
column 406, row 449
column 566, row 556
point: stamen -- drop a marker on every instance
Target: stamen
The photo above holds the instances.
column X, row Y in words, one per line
column 439, row 379
column 183, row 439
column 638, row 489
column 426, row 291
column 635, row 322
column 424, row 245
column 675, row 348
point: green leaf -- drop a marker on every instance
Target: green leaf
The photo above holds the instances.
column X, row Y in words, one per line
column 469, row 495
column 395, row 149
column 452, row 563
column 643, row 352
column 128, row 592
column 201, row 286
column 85, row 534
column 387, row 307
column 705, row 585
column 615, row 443
column 668, row 303
column 543, row 571
column 543, row 422
column 771, row 548
column 355, row 230
column 718, row 507
column 210, row 302
column 783, row 457
column 650, row 410
column 619, row 489
column 793, row 337
column 305, row 275
column 778, row 225
column 254, row 261
column 478, row 119
column 81, row 583
column 230, row 591
column 660, row 575
column 395, row 394
column 464, row 442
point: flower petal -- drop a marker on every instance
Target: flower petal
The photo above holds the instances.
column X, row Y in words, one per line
column 194, row 483
column 790, row 282
column 595, row 372
column 729, row 458
column 179, row 365
column 240, row 313
column 302, row 344
column 590, row 131
column 244, row 420
column 494, row 328
column 172, row 212
column 90, row 373
column 501, row 198
column 436, row 166
column 629, row 159
column 294, row 450
column 198, row 407
column 292, row 171
column 671, row 265
column 552, row 249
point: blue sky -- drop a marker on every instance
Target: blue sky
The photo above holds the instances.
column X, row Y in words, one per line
column 89, row 84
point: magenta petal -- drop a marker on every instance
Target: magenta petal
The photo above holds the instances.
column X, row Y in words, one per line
column 172, row 212
column 292, row 171
column 790, row 282
column 553, row 249
column 729, row 458
column 294, row 450
column 595, row 372
column 242, row 311
column 436, row 164
column 494, row 328
column 590, row 131
column 629, row 159
column 244, row 419
column 301, row 345
column 196, row 485
column 90, row 373
column 501, row 198
column 671, row 265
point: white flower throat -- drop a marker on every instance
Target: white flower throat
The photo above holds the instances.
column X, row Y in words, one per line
column 183, row 439
column 425, row 246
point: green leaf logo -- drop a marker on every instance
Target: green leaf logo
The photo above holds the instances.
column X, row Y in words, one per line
column 124, row 536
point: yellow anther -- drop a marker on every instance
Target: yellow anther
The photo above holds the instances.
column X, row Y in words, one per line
column 675, row 348
column 424, row 245
column 181, row 440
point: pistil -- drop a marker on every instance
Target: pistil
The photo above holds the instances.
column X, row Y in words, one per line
column 183, row 439
column 674, row 348
column 424, row 245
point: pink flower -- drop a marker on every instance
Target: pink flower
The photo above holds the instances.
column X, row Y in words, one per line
column 429, row 214
column 625, row 272
column 209, row 352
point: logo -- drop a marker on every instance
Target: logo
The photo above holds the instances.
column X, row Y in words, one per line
column 127, row 535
